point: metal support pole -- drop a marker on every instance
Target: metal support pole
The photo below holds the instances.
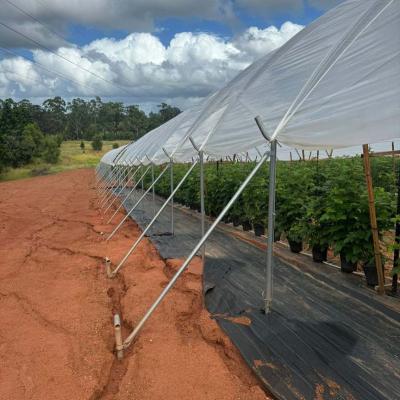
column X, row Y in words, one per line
column 154, row 189
column 201, row 161
column 119, row 348
column 103, row 187
column 114, row 180
column 271, row 230
column 151, row 222
column 122, row 189
column 268, row 293
column 171, row 168
column 202, row 209
column 115, row 190
column 127, row 196
column 139, row 326
column 102, row 183
column 137, row 203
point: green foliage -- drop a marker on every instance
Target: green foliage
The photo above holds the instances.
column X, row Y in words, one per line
column 51, row 151
column 33, row 134
column 82, row 119
column 292, row 198
column 322, row 203
column 82, row 146
column 97, row 143
column 115, row 145
column 346, row 214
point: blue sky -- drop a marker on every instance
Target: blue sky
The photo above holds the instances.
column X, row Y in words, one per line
column 166, row 28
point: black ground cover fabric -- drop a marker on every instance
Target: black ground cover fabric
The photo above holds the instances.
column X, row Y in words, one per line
column 328, row 337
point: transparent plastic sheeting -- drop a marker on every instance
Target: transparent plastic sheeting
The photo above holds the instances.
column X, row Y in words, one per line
column 336, row 84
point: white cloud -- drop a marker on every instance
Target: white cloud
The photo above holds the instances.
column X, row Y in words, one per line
column 258, row 42
column 141, row 68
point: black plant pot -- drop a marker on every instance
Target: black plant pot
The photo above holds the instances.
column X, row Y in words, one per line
column 319, row 254
column 371, row 274
column 246, row 225
column 347, row 266
column 259, row 229
column 277, row 236
column 236, row 221
column 227, row 219
column 295, row 247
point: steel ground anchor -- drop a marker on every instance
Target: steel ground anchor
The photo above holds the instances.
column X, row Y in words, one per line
column 119, row 347
column 109, row 271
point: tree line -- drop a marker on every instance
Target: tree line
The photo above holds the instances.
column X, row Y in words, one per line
column 30, row 131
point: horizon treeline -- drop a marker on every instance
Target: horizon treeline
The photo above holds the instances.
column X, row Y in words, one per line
column 82, row 119
column 27, row 130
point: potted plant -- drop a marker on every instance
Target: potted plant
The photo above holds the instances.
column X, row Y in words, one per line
column 371, row 272
column 347, row 213
column 292, row 196
column 295, row 237
column 316, row 229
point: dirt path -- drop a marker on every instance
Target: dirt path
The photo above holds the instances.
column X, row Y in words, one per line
column 56, row 306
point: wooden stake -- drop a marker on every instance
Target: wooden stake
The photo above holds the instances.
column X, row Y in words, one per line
column 396, row 254
column 394, row 160
column 374, row 225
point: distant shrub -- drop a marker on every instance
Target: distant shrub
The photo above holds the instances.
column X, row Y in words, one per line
column 51, row 152
column 59, row 139
column 82, row 146
column 97, row 143
column 115, row 146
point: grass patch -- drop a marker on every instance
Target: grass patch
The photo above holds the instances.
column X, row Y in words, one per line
column 71, row 157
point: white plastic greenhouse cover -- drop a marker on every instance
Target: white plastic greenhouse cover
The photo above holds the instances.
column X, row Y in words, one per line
column 334, row 85
column 111, row 155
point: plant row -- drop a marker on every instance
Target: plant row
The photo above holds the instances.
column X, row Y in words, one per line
column 321, row 203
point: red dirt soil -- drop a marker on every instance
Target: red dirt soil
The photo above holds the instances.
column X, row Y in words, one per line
column 56, row 307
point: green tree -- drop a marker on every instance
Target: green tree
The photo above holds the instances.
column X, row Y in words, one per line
column 32, row 130
column 51, row 152
column 83, row 146
column 54, row 115
column 79, row 118
column 97, row 143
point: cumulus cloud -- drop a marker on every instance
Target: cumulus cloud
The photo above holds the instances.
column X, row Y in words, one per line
column 130, row 15
column 256, row 42
column 140, row 67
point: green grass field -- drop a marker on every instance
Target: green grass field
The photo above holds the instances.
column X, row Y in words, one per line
column 71, row 157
